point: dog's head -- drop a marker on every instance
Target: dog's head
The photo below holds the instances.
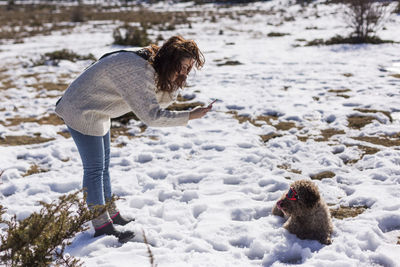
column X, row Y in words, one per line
column 302, row 196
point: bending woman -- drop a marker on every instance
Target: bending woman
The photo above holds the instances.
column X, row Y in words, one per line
column 145, row 82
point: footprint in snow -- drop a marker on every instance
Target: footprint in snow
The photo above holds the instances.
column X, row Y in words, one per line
column 174, row 147
column 252, row 159
column 245, row 145
column 64, row 187
column 241, row 242
column 248, row 214
column 144, row 158
column 198, row 210
column 190, row 178
column 158, row 174
column 189, row 195
column 216, row 147
column 234, row 107
column 234, row 180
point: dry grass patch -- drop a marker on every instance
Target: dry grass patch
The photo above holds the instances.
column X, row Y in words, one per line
column 398, row 241
column 259, row 120
column 288, row 168
column 343, row 95
column 50, row 86
column 277, row 34
column 124, row 119
column 395, row 76
column 358, row 122
column 347, row 212
column 185, row 98
column 17, row 121
column 65, row 134
column 322, row 175
column 267, row 137
column 19, row 140
column 229, row 63
column 51, row 119
column 303, row 138
column 286, row 125
column 6, row 82
column 268, row 119
column 41, row 19
column 255, row 121
column 365, row 110
column 340, row 92
column 115, row 132
column 179, row 106
column 348, row 75
column 328, row 133
column 34, row 169
column 240, row 118
column 366, row 150
column 381, row 140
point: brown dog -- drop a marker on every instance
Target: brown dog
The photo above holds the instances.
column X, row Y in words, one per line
column 307, row 214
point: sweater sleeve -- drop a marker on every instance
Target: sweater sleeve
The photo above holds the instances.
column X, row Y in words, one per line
column 135, row 83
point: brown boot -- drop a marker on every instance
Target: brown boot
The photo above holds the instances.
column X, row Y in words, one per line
column 103, row 225
column 116, row 216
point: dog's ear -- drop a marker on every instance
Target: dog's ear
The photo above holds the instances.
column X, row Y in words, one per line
column 309, row 195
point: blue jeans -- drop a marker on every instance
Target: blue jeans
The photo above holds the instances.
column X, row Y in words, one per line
column 95, row 156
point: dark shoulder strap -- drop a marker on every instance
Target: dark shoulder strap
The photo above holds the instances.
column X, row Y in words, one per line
column 143, row 53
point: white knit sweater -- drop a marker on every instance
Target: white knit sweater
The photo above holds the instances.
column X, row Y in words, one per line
column 113, row 86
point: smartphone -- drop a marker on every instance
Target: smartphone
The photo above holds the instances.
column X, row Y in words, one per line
column 212, row 102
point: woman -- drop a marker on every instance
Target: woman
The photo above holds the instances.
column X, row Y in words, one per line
column 145, row 82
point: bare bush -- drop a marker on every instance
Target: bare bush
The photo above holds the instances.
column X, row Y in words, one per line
column 77, row 14
column 365, row 17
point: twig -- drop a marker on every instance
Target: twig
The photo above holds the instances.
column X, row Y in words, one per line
column 151, row 256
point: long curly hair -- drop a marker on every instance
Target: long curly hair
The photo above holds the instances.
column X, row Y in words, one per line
column 166, row 61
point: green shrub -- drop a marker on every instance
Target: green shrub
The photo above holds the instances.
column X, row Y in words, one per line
column 348, row 40
column 10, row 4
column 303, row 2
column 53, row 58
column 277, row 34
column 131, row 36
column 41, row 238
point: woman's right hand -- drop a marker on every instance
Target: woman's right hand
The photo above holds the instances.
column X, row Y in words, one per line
column 199, row 112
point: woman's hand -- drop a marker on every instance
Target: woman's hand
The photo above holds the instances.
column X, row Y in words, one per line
column 199, row 112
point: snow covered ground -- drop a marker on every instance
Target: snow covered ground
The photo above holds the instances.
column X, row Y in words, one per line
column 203, row 194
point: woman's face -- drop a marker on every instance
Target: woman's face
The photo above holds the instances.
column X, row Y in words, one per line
column 180, row 76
